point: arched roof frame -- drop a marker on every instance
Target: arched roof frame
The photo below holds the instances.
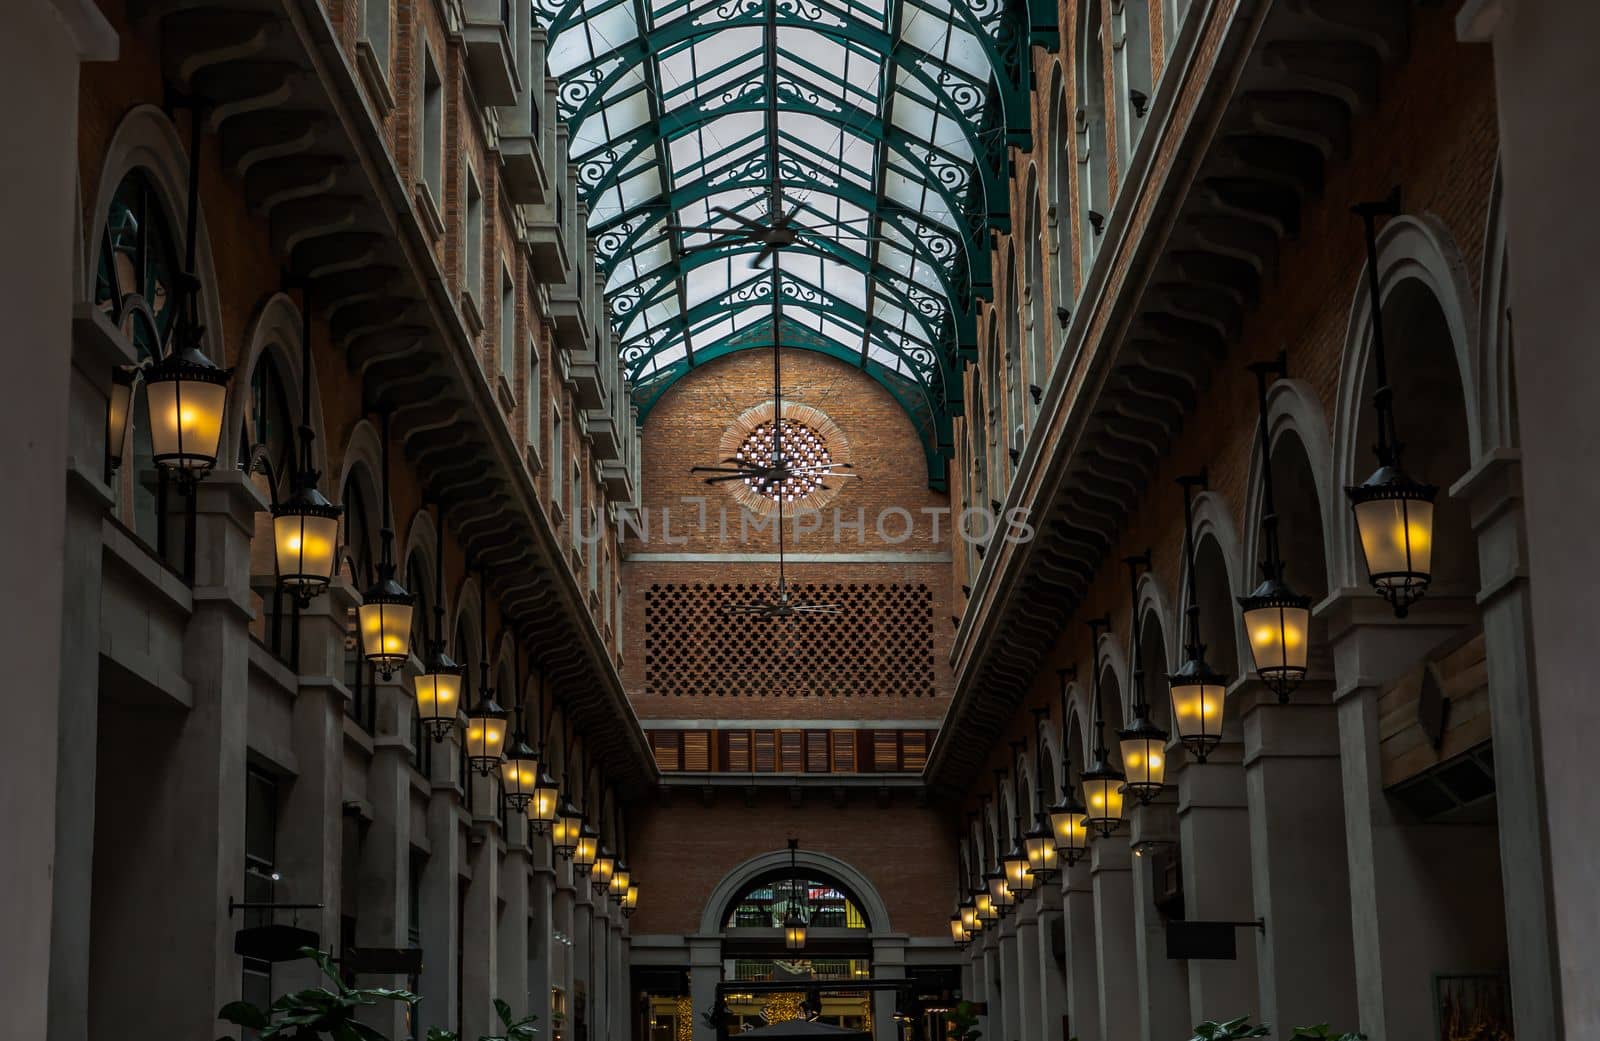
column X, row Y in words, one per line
column 897, row 118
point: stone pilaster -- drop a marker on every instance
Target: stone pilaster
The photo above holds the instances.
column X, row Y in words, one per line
column 1214, row 826
column 1111, row 874
column 1163, row 982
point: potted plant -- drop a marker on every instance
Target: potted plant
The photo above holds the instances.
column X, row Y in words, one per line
column 316, row 1012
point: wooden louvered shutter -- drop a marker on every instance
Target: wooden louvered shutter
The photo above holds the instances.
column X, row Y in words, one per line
column 844, row 751
column 766, row 752
column 886, row 751
column 696, row 751
column 739, row 751
column 792, row 747
column 665, row 745
column 913, row 750
column 816, row 751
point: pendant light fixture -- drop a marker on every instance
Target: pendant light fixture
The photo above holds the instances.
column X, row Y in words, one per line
column 119, row 407
column 385, row 612
column 971, row 920
column 1019, row 879
column 1393, row 512
column 1143, row 745
column 1000, row 892
column 794, row 921
column 546, row 801
column 1276, row 618
column 1198, row 690
column 568, row 820
column 605, row 863
column 305, row 525
column 519, row 770
column 964, row 923
column 185, row 391
column 486, row 720
column 438, row 686
column 1102, row 781
column 630, row 902
column 983, row 903
column 1040, row 842
column 1068, row 818
column 587, row 847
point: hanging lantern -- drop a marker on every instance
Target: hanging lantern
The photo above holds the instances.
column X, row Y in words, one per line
column 1393, row 513
column 1069, row 822
column 970, row 923
column 544, row 805
column 1102, row 795
column 1019, row 879
column 438, row 689
column 1000, row 895
column 794, row 931
column 565, row 829
column 958, row 933
column 1278, row 623
column 305, row 539
column 519, row 775
column 185, row 393
column 630, row 902
column 385, row 621
column 1198, row 691
column 1277, row 620
column 600, row 874
column 983, row 904
column 1394, row 516
column 586, row 850
column 1040, row 844
column 1144, row 757
column 620, row 878
column 486, row 733
column 119, row 407
column 1198, row 694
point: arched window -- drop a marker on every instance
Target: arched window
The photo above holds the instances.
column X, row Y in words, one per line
column 1061, row 151
column 271, row 427
column 1131, row 62
column 136, row 287
column 995, row 464
column 1016, row 380
column 1093, row 168
column 825, row 903
column 417, row 577
column 358, row 569
column 1040, row 337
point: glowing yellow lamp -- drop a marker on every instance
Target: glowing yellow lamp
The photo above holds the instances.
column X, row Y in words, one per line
column 185, row 393
column 1394, row 517
column 1198, row 694
column 305, row 539
column 1278, row 622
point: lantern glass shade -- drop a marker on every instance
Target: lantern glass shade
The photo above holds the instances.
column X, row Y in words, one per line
column 586, row 850
column 1102, row 795
column 1198, row 695
column 1000, row 894
column 794, row 931
column 305, row 539
column 1278, row 623
column 983, row 904
column 630, row 902
column 1144, row 759
column 119, row 407
column 385, row 621
column 439, row 695
column 519, row 776
column 620, row 878
column 600, row 874
column 1394, row 517
column 185, row 393
column 1043, row 863
column 542, row 807
column 969, row 917
column 1070, row 825
column 1019, row 879
column 486, row 735
column 564, row 830
column 958, row 932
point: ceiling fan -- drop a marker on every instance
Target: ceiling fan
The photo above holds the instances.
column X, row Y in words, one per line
column 778, row 232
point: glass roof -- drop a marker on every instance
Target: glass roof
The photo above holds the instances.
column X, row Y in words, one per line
column 881, row 124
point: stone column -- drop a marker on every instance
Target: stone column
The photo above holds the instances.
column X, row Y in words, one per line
column 384, row 870
column 441, row 877
column 1214, row 823
column 1010, row 979
column 1050, row 986
column 1163, row 982
column 623, row 1011
column 600, row 969
column 1542, row 51
column 705, row 972
column 513, row 985
column 47, row 543
column 1111, row 875
column 1493, row 491
column 481, row 919
column 1083, row 956
column 1299, row 869
column 1029, row 1026
column 1416, row 890
column 582, row 958
column 542, row 971
column 564, row 951
column 994, row 985
column 888, row 963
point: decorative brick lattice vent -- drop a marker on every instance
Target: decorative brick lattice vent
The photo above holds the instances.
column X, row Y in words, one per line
column 880, row 644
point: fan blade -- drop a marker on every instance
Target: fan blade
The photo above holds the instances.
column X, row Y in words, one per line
column 760, row 259
column 723, row 470
column 731, row 477
column 741, row 218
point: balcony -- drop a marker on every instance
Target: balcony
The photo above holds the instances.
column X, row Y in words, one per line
column 491, row 60
column 526, row 142
column 572, row 312
column 548, row 243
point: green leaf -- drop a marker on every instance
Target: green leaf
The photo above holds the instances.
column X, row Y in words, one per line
column 244, row 1014
column 441, row 1034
